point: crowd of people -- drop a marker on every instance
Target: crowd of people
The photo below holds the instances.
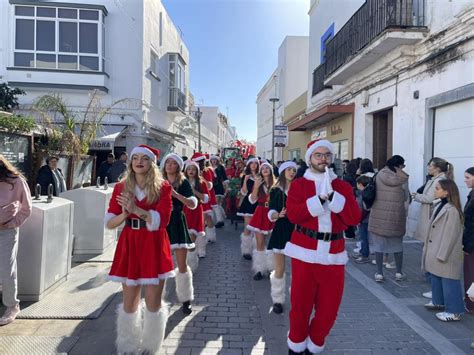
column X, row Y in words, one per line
column 303, row 210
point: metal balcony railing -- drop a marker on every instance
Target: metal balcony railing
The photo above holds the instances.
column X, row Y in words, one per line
column 319, row 74
column 177, row 100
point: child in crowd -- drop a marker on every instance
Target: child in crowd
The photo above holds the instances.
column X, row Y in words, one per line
column 363, row 256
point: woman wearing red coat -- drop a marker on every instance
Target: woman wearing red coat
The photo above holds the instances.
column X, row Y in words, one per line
column 143, row 256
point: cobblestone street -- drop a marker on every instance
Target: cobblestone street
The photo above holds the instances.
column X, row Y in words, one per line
column 232, row 314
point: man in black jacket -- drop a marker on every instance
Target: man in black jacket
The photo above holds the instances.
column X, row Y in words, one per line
column 51, row 174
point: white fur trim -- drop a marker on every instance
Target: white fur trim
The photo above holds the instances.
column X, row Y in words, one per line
column 246, row 244
column 182, row 246
column 155, row 221
column 210, row 185
column 190, row 162
column 251, row 200
column 154, row 325
column 196, row 233
column 278, row 288
column 317, row 176
column 202, row 157
column 128, row 330
column 315, row 349
column 205, row 198
column 195, row 202
column 296, row 347
column 314, row 206
column 143, row 150
column 208, row 212
column 258, row 230
column 278, row 251
column 338, row 202
column 286, row 165
column 201, row 243
column 266, row 164
column 175, row 157
column 321, row 143
column 192, row 260
column 241, row 214
column 270, row 213
column 259, row 261
column 219, row 212
column 137, row 282
column 270, row 260
column 108, row 216
column 139, row 193
column 251, row 160
column 214, row 157
column 211, row 234
column 318, row 256
column 184, row 285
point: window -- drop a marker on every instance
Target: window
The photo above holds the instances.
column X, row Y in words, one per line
column 294, row 154
column 177, row 72
column 324, row 40
column 59, row 38
column 153, row 62
column 161, row 29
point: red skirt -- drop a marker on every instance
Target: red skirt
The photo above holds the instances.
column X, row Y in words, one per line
column 195, row 220
column 212, row 197
column 142, row 257
column 260, row 222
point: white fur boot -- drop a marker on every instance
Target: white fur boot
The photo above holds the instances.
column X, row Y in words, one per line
column 270, row 260
column 201, row 243
column 192, row 258
column 259, row 262
column 129, row 329
column 246, row 245
column 277, row 289
column 211, row 234
column 154, row 326
column 219, row 213
column 184, row 285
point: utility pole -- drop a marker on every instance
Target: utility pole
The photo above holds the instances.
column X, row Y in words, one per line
column 273, row 100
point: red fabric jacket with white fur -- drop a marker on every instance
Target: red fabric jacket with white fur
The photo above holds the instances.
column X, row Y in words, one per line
column 304, row 208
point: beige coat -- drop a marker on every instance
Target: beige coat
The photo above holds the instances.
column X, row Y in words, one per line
column 389, row 211
column 442, row 252
column 426, row 199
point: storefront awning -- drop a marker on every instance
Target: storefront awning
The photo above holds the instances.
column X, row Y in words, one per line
column 109, row 133
column 320, row 116
column 167, row 136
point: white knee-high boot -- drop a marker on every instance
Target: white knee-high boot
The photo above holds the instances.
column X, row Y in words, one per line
column 211, row 234
column 192, row 258
column 270, row 260
column 154, row 326
column 246, row 244
column 259, row 262
column 201, row 243
column 184, row 285
column 129, row 329
column 278, row 291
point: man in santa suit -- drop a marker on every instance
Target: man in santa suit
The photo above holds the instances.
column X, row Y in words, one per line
column 321, row 206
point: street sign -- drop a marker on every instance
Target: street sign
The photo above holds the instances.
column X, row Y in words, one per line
column 281, row 135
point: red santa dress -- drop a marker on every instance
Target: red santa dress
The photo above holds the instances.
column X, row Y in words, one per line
column 260, row 222
column 318, row 256
column 208, row 175
column 195, row 217
column 143, row 254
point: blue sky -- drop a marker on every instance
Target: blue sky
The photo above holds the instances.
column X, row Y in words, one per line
column 233, row 47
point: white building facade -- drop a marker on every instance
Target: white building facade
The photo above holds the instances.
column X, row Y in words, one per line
column 123, row 49
column 214, row 129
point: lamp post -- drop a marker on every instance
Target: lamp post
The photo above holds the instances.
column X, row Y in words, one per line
column 273, row 100
column 197, row 115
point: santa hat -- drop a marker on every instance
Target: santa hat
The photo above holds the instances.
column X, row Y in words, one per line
column 216, row 157
column 207, row 156
column 175, row 157
column 189, row 162
column 286, row 165
column 266, row 163
column 252, row 160
column 198, row 156
column 150, row 152
column 313, row 145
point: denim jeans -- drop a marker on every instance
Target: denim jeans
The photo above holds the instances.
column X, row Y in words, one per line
column 364, row 239
column 447, row 292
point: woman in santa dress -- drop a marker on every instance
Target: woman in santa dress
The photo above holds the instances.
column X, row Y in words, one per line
column 195, row 217
column 260, row 225
column 247, row 209
column 281, row 233
column 219, row 189
column 171, row 166
column 143, row 256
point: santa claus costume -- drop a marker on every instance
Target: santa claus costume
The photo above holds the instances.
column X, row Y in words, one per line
column 171, row 166
column 281, row 233
column 260, row 225
column 195, row 217
column 143, row 253
column 321, row 206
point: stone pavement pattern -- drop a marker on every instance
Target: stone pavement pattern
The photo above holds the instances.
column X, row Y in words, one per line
column 231, row 314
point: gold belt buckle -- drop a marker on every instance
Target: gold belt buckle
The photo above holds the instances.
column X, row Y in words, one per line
column 328, row 235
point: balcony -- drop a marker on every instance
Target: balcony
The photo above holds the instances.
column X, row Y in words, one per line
column 177, row 100
column 319, row 74
column 378, row 27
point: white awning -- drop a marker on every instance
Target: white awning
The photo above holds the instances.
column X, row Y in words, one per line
column 109, row 133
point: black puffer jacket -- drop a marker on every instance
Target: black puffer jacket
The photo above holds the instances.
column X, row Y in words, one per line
column 468, row 236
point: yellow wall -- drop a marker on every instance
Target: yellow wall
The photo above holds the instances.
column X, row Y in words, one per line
column 337, row 130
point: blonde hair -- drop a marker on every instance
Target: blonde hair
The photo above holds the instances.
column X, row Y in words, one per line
column 153, row 182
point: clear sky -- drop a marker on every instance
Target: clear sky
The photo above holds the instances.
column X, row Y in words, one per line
column 233, row 48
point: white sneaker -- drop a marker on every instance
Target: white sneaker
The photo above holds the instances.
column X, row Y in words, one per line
column 10, row 315
column 400, row 276
column 428, row 295
column 389, row 265
column 448, row 317
column 379, row 277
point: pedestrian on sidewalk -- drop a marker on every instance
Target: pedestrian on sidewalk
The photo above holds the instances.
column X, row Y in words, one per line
column 143, row 256
column 281, row 233
column 246, row 209
column 105, row 166
column 171, row 167
column 321, row 206
column 195, row 217
column 15, row 208
column 350, row 177
column 260, row 225
column 442, row 253
column 363, row 256
column 50, row 174
column 118, row 168
column 218, row 184
column 468, row 238
column 387, row 220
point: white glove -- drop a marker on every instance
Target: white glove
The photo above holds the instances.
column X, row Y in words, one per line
column 326, row 186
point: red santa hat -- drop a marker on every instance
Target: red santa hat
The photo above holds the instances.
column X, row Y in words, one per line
column 175, row 157
column 313, row 145
column 207, row 156
column 150, row 152
column 190, row 162
column 198, row 156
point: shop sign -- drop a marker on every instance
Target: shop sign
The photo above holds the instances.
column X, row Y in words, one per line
column 101, row 145
column 335, row 130
column 319, row 133
column 281, row 135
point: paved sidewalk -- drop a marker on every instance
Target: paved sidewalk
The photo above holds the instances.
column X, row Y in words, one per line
column 232, row 314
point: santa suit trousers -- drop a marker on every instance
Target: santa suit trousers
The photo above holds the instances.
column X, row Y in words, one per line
column 314, row 286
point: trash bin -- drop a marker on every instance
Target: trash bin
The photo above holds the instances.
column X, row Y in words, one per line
column 45, row 248
column 90, row 206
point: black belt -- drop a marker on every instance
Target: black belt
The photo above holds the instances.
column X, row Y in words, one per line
column 317, row 235
column 135, row 223
column 265, row 204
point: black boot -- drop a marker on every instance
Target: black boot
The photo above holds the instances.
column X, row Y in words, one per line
column 247, row 257
column 291, row 352
column 258, row 276
column 187, row 308
column 278, row 308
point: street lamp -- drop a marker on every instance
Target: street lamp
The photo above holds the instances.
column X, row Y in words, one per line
column 197, row 115
column 273, row 100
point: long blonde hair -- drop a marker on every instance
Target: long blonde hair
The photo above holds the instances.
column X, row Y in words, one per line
column 153, row 182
